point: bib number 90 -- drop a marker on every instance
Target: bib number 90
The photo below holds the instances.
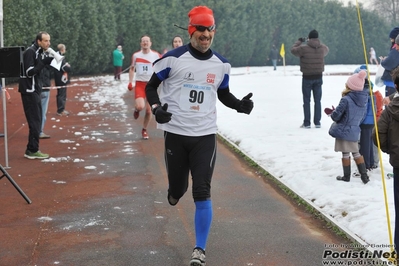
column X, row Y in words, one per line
column 196, row 96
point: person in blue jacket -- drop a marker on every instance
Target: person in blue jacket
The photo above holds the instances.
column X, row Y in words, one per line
column 366, row 127
column 347, row 118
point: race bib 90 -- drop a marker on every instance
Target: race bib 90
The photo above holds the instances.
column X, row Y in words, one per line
column 195, row 97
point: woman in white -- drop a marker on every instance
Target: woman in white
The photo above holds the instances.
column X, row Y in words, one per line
column 373, row 56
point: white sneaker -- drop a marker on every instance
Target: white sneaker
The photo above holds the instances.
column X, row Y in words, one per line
column 44, row 136
column 63, row 113
column 198, row 257
column 303, row 126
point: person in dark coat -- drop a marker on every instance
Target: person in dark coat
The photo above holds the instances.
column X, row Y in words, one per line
column 389, row 63
column 366, row 127
column 311, row 55
column 392, row 72
column 388, row 130
column 61, row 78
column 392, row 36
column 347, row 117
column 274, row 56
column 30, row 87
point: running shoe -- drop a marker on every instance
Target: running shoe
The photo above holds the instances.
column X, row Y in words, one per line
column 136, row 114
column 63, row 113
column 172, row 201
column 44, row 136
column 35, row 155
column 144, row 133
column 198, row 257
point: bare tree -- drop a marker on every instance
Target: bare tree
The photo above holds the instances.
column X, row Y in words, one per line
column 387, row 9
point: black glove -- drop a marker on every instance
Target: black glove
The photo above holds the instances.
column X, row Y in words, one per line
column 301, row 39
column 161, row 115
column 245, row 105
column 47, row 60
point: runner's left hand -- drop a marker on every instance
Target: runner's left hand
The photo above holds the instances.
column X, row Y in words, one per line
column 246, row 104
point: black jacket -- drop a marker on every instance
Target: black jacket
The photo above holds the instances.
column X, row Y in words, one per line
column 273, row 55
column 388, row 130
column 61, row 77
column 30, row 80
column 46, row 75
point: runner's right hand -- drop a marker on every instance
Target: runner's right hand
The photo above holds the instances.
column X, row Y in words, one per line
column 161, row 115
column 130, row 86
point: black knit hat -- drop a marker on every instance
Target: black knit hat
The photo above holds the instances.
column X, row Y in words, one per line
column 313, row 34
column 393, row 33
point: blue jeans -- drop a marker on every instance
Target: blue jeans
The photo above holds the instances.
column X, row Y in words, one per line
column 389, row 90
column 274, row 61
column 309, row 86
column 45, row 96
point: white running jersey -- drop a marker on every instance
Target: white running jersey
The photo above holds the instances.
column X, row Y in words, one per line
column 190, row 89
column 143, row 64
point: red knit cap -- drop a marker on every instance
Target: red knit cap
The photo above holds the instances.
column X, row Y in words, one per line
column 200, row 15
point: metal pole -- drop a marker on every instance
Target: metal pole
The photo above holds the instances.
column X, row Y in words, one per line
column 5, row 174
column 5, row 125
column 3, row 91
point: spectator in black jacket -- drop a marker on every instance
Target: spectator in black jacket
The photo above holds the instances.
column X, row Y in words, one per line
column 61, row 78
column 30, row 87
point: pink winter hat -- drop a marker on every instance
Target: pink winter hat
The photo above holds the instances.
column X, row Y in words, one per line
column 356, row 81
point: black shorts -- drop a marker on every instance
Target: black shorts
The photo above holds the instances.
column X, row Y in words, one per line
column 184, row 154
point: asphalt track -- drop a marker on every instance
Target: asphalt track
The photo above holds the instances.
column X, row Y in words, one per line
column 102, row 199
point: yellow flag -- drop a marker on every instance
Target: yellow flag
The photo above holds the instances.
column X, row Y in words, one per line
column 282, row 50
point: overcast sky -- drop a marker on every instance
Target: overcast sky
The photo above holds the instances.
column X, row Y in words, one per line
column 365, row 3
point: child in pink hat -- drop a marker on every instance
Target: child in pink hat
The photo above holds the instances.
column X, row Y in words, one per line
column 347, row 118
